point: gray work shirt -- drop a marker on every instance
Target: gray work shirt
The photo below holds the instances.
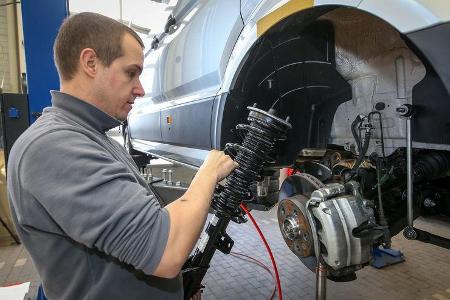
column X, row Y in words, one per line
column 91, row 224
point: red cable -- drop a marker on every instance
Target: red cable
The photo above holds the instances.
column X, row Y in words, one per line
column 244, row 208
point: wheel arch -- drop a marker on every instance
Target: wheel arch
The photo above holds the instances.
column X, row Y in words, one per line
column 251, row 36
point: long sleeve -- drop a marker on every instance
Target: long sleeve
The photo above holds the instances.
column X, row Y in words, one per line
column 93, row 198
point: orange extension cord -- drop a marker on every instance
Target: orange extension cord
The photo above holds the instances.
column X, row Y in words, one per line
column 245, row 209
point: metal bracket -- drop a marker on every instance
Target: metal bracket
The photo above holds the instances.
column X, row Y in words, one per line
column 191, row 278
column 412, row 233
column 224, row 243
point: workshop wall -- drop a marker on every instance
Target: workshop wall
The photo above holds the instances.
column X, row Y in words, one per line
column 5, row 77
column 4, row 61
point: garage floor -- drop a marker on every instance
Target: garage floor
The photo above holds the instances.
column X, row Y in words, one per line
column 424, row 275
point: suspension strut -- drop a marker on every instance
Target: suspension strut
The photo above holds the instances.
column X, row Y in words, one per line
column 262, row 133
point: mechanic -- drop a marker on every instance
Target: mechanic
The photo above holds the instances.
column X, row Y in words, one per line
column 91, row 224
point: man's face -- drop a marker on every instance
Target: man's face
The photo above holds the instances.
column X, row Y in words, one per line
column 117, row 86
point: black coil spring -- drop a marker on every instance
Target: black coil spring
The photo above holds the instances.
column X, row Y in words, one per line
column 431, row 165
column 264, row 130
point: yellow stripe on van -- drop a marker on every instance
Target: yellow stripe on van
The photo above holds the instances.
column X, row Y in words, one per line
column 281, row 13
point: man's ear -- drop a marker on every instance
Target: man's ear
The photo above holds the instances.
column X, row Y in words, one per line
column 89, row 62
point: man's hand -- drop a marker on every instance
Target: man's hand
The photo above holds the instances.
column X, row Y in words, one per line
column 219, row 164
column 185, row 228
column 197, row 296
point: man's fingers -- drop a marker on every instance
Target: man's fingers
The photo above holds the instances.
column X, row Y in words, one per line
column 220, row 163
column 197, row 296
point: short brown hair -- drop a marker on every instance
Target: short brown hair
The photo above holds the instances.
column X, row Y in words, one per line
column 88, row 30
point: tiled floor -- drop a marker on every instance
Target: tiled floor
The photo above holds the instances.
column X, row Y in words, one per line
column 17, row 267
column 424, row 275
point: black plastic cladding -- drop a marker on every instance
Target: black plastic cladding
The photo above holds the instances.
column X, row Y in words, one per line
column 297, row 67
column 431, row 95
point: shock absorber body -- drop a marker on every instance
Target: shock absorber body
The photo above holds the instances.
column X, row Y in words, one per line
column 262, row 133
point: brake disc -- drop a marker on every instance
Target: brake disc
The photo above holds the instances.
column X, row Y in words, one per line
column 303, row 184
column 293, row 219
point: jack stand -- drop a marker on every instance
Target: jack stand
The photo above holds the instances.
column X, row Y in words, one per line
column 407, row 111
column 386, row 257
column 410, row 232
column 321, row 281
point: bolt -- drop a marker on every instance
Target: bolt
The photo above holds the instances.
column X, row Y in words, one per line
column 327, row 211
column 164, row 172
column 402, row 110
column 170, row 177
column 405, row 110
column 410, row 233
column 148, row 168
column 291, row 228
column 428, row 202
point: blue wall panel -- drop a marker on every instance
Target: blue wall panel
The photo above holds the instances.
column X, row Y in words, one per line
column 41, row 20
